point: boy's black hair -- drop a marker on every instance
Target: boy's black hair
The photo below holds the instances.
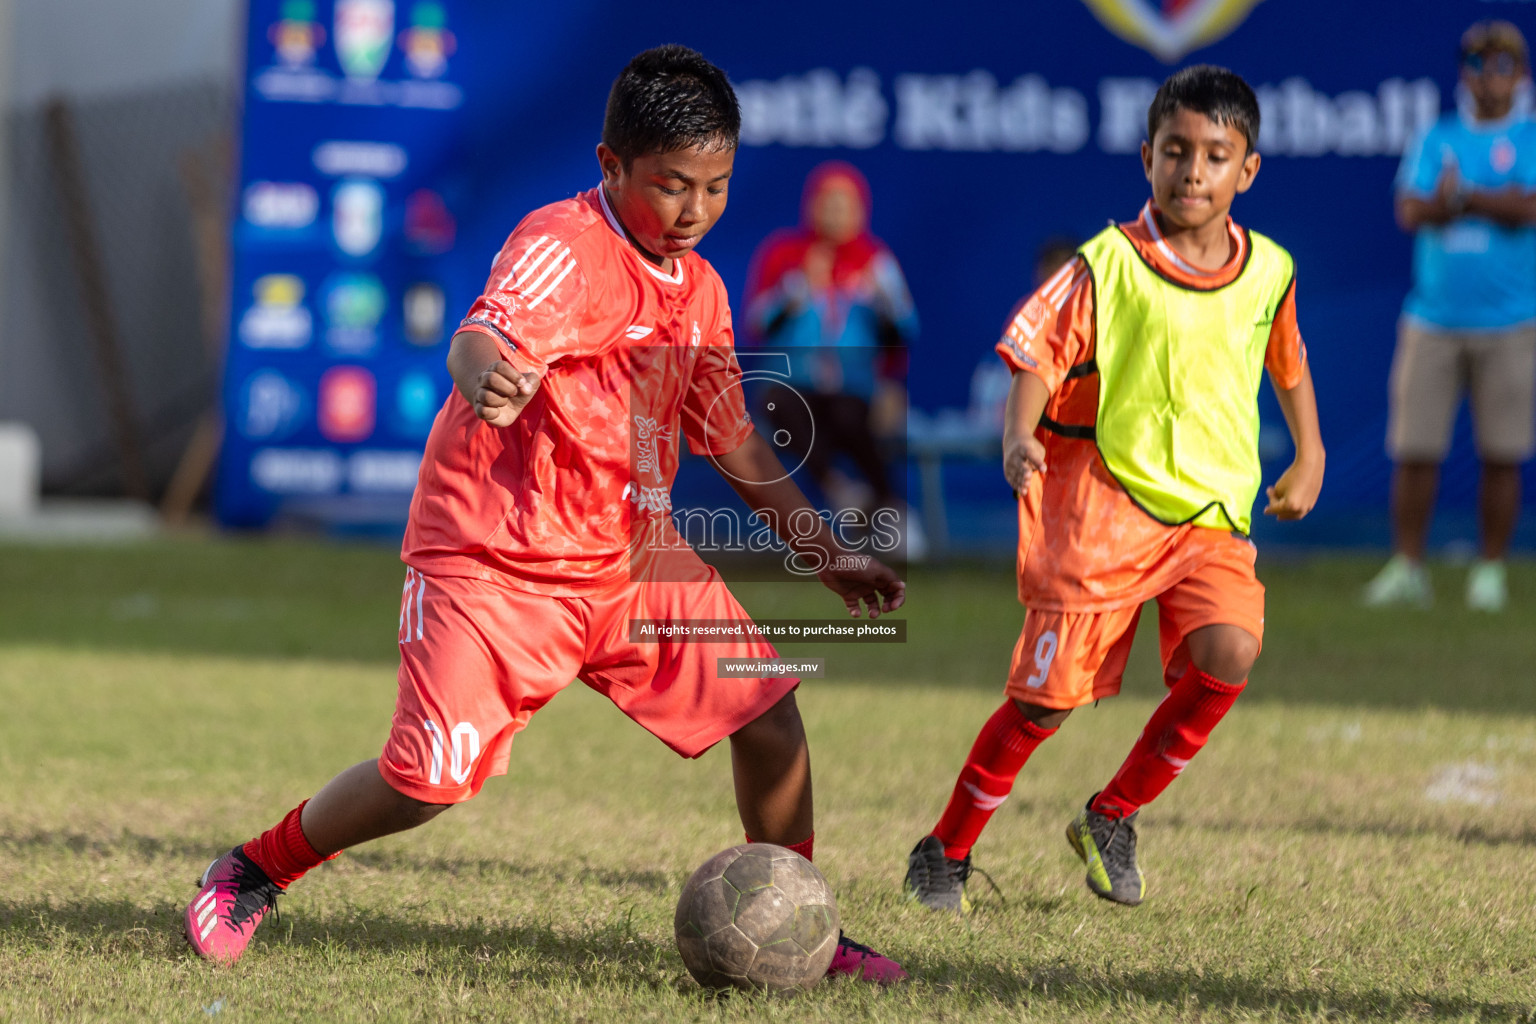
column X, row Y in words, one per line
column 670, row 98
column 1218, row 93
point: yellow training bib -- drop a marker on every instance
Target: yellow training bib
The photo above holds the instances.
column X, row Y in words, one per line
column 1179, row 371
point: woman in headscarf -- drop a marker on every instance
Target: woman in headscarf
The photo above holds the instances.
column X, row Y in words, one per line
column 833, row 296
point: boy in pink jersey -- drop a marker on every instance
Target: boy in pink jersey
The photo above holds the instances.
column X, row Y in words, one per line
column 541, row 527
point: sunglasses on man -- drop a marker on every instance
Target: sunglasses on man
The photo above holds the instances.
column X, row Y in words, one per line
column 1497, row 63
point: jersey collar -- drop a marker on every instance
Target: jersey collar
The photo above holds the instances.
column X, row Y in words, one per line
column 1166, row 251
column 676, row 277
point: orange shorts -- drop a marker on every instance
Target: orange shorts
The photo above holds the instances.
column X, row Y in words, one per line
column 478, row 659
column 1067, row 659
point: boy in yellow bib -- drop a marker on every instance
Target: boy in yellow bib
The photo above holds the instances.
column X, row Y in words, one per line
column 1131, row 440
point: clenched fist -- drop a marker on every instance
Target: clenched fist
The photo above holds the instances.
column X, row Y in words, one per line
column 501, row 391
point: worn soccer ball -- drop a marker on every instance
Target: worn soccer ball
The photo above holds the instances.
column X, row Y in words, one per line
column 757, row 917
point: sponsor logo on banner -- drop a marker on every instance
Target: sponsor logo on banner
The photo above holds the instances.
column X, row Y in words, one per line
column 977, row 113
column 383, row 472
column 347, row 404
column 427, row 43
column 357, row 216
column 416, row 404
column 1172, row 28
column 365, row 159
column 817, row 108
column 271, row 406
column 278, row 318
column 424, row 308
column 296, row 35
column 296, row 470
column 354, row 305
column 280, row 205
column 429, row 227
column 365, row 30
column 364, row 38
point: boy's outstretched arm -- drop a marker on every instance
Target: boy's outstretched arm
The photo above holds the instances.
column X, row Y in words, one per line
column 1294, row 494
column 757, row 475
column 1023, row 454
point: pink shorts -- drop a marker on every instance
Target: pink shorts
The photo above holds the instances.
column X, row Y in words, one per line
column 478, row 659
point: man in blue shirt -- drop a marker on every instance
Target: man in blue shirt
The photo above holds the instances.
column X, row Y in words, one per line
column 1467, row 189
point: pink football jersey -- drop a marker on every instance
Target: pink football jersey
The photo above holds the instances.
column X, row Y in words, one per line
column 628, row 356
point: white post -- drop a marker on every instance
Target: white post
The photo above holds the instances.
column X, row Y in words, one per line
column 21, row 462
column 21, row 471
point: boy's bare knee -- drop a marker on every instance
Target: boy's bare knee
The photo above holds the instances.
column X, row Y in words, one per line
column 1225, row 652
column 422, row 812
column 409, row 812
column 1044, row 717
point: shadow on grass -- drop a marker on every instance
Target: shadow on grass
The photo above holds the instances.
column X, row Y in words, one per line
column 1466, row 835
column 612, row 953
column 1195, row 994
column 470, row 954
column 133, row 844
column 95, row 926
column 491, row 869
column 607, row 951
column 198, row 852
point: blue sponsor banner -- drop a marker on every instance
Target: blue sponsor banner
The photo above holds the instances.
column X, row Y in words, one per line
column 389, row 147
column 356, row 172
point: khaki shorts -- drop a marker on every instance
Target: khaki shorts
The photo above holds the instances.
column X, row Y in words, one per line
column 1431, row 370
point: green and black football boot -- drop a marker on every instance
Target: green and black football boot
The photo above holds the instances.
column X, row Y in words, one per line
column 1108, row 846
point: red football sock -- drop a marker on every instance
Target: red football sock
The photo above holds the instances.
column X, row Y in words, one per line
column 1175, row 733
column 803, row 847
column 283, row 852
column 1001, row 749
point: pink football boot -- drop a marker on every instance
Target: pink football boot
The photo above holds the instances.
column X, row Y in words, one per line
column 853, row 960
column 232, row 898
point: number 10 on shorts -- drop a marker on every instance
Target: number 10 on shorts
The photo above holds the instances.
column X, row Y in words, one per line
column 464, row 739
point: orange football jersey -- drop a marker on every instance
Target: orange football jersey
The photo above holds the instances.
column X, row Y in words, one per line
column 1084, row 545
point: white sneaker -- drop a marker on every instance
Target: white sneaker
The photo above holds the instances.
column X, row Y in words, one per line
column 1486, row 587
column 1400, row 582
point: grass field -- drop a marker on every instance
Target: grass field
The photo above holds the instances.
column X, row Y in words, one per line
column 1357, row 843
